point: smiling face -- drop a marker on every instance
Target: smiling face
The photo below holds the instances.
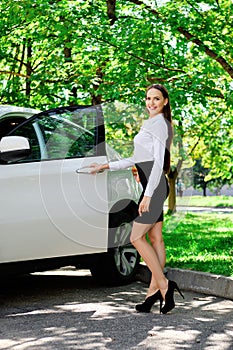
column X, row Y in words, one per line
column 155, row 102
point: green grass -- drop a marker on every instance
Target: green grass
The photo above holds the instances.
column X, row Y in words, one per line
column 201, row 242
column 208, row 201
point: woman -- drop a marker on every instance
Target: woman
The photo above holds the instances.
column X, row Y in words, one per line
column 152, row 159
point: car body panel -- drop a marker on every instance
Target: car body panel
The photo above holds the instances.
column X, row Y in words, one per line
column 51, row 210
column 8, row 110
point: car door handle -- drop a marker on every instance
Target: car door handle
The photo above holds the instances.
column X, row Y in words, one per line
column 84, row 170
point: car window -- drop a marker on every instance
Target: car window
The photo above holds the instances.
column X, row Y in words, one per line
column 9, row 123
column 57, row 135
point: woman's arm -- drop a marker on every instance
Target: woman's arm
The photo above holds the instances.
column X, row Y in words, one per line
column 117, row 165
column 144, row 205
column 98, row 168
column 159, row 134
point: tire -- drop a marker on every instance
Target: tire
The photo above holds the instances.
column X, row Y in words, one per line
column 120, row 264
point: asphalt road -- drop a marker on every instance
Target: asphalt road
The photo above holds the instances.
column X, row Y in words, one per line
column 68, row 310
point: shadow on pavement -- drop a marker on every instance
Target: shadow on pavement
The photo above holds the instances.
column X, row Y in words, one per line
column 52, row 311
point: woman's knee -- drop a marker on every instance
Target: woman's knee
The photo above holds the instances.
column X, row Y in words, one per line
column 155, row 236
column 156, row 240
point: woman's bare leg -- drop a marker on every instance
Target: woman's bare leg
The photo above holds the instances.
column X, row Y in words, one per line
column 156, row 238
column 147, row 252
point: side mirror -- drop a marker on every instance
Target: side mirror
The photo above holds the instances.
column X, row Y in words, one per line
column 14, row 148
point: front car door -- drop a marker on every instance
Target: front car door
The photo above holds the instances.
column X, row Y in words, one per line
column 48, row 208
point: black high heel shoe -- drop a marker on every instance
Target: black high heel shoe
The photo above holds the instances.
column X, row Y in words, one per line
column 169, row 297
column 149, row 302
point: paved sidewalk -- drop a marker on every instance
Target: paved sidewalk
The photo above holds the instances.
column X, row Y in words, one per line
column 188, row 208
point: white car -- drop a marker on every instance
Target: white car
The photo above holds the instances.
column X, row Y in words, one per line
column 55, row 213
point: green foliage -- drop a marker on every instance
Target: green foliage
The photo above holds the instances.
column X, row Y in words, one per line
column 122, row 123
column 76, row 52
column 201, row 242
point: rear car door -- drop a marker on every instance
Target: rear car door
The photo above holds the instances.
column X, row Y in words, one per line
column 48, row 208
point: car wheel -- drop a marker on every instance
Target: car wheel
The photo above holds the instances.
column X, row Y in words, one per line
column 120, row 264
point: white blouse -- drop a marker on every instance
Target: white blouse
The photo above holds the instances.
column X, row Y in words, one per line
column 149, row 145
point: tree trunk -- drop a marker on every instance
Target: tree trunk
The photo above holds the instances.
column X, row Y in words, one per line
column 68, row 51
column 111, row 11
column 172, row 196
column 204, row 189
column 29, row 68
column 172, row 176
column 97, row 98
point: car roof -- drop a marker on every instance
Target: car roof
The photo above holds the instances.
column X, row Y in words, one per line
column 11, row 110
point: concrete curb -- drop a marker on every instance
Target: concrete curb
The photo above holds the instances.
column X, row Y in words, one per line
column 195, row 281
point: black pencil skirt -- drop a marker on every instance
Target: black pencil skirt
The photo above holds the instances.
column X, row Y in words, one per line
column 158, row 198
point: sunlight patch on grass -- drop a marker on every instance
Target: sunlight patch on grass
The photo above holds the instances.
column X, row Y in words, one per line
column 208, row 201
column 202, row 242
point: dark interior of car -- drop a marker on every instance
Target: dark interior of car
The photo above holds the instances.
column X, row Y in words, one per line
column 8, row 124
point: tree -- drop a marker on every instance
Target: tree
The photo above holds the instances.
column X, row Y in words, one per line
column 199, row 174
column 69, row 52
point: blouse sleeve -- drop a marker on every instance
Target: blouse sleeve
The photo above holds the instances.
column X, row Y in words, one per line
column 121, row 164
column 159, row 134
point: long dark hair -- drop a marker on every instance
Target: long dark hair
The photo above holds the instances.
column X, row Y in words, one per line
column 168, row 118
